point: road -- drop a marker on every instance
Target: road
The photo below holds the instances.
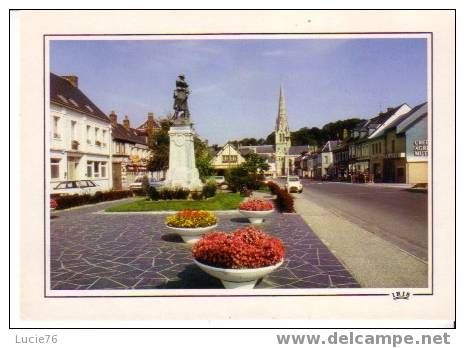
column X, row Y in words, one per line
column 394, row 214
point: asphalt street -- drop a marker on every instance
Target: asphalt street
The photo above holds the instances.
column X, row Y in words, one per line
column 392, row 213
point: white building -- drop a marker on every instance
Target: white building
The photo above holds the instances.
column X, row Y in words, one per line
column 80, row 136
column 326, row 157
column 228, row 157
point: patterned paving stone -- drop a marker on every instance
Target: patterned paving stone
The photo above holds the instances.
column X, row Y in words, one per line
column 137, row 251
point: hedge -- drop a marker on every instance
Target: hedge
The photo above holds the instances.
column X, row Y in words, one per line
column 284, row 200
column 64, row 202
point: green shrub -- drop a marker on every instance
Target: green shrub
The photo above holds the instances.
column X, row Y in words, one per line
column 166, row 194
column 145, row 185
column 209, row 189
column 196, row 195
column 154, row 195
column 64, row 202
column 180, row 193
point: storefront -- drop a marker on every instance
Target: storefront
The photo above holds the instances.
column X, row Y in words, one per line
column 417, row 152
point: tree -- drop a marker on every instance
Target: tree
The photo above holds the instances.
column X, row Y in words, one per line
column 159, row 145
column 255, row 164
column 203, row 159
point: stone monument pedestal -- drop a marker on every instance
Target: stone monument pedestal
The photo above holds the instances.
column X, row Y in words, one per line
column 182, row 171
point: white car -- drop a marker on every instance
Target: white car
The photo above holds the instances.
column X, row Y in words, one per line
column 73, row 187
column 293, row 184
column 137, row 184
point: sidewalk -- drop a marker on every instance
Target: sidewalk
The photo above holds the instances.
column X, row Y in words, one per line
column 374, row 262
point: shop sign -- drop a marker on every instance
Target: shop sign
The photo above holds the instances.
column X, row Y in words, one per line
column 420, row 148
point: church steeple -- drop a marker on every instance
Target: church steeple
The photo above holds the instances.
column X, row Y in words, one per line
column 281, row 121
column 282, row 134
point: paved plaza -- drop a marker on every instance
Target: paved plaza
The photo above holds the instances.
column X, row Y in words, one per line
column 90, row 250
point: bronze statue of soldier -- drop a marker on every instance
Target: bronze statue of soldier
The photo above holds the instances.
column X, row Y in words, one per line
column 181, row 109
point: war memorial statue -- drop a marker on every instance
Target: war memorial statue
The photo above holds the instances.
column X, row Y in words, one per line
column 181, row 108
column 182, row 171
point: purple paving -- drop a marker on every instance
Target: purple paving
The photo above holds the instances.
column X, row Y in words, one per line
column 136, row 251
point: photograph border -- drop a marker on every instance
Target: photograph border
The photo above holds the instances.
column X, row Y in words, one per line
column 430, row 99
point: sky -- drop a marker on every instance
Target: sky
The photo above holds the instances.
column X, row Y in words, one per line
column 235, row 82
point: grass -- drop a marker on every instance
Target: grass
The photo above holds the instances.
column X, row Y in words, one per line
column 221, row 201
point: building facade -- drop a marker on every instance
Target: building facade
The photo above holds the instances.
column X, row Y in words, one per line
column 226, row 158
column 80, row 136
column 130, row 153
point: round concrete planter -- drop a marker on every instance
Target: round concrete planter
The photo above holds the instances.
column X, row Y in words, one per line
column 256, row 216
column 238, row 278
column 191, row 235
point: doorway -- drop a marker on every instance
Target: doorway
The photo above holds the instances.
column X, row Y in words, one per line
column 73, row 164
column 116, row 172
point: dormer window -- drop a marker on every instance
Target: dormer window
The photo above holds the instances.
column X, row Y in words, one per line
column 89, row 108
column 74, row 102
column 63, row 99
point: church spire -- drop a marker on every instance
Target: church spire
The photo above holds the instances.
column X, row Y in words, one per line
column 281, row 121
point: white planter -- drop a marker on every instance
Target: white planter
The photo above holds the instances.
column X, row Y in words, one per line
column 238, row 278
column 256, row 217
column 191, row 235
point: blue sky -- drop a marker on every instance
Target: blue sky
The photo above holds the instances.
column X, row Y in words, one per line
column 235, row 83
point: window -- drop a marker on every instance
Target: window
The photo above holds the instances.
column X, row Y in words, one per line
column 96, row 135
column 89, row 169
column 56, row 132
column 88, row 134
column 96, row 169
column 229, row 158
column 103, row 169
column 55, row 168
column 393, row 146
column 373, row 148
column 104, row 137
column 73, row 130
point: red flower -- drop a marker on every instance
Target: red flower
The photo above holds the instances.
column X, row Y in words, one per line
column 256, row 205
column 248, row 247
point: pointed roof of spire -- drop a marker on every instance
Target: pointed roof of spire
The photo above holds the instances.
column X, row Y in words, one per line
column 281, row 121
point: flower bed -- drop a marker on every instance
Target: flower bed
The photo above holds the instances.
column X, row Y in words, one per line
column 191, row 219
column 247, row 247
column 256, row 205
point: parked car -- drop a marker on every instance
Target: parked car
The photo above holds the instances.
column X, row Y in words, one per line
column 219, row 179
column 72, row 187
column 137, row 183
column 293, row 184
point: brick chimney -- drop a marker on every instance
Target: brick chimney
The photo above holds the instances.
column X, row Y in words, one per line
column 73, row 79
column 126, row 122
column 113, row 118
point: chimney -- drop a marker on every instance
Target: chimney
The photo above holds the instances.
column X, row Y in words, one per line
column 126, row 122
column 113, row 118
column 390, row 108
column 73, row 79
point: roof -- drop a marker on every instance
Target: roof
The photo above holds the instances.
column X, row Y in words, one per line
column 406, row 115
column 63, row 93
column 330, row 145
column 421, row 111
column 130, row 135
column 297, row 150
column 259, row 149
